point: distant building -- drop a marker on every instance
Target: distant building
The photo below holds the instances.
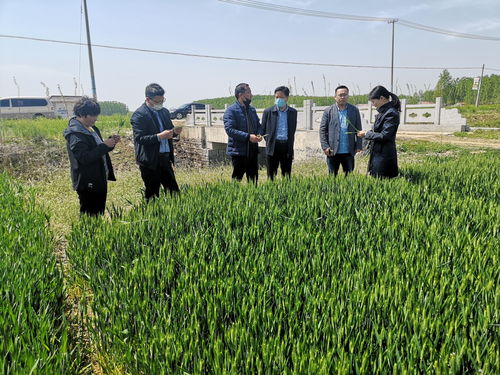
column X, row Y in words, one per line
column 63, row 105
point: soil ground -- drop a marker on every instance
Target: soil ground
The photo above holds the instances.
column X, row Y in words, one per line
column 449, row 138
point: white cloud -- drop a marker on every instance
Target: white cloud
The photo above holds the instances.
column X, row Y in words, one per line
column 453, row 4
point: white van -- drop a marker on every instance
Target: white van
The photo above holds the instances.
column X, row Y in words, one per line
column 26, row 107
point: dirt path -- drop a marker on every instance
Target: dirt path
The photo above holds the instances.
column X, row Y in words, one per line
column 449, row 138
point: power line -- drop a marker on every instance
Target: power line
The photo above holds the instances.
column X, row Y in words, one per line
column 445, row 32
column 305, row 12
column 242, row 58
column 317, row 13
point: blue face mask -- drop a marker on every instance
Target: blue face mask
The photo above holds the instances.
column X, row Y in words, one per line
column 280, row 102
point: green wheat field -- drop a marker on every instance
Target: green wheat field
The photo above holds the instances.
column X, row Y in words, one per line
column 312, row 275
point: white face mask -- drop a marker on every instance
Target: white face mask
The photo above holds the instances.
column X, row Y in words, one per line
column 158, row 107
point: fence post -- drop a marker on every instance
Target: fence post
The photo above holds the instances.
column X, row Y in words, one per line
column 308, row 114
column 403, row 112
column 208, row 114
column 437, row 111
column 369, row 112
column 193, row 115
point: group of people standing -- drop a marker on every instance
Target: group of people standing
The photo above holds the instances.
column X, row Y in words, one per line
column 153, row 131
column 340, row 133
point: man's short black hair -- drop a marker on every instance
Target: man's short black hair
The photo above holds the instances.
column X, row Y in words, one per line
column 154, row 89
column 285, row 90
column 240, row 89
column 341, row 87
column 86, row 107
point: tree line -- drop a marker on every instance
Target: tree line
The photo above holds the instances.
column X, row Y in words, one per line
column 109, row 108
column 452, row 90
column 459, row 90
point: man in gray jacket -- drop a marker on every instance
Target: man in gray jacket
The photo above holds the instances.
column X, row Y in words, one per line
column 337, row 133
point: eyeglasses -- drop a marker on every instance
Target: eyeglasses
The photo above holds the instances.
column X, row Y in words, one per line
column 157, row 102
column 343, row 95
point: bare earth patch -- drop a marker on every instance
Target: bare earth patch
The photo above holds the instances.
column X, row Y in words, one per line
column 449, row 138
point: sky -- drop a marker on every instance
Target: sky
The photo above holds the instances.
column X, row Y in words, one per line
column 212, row 27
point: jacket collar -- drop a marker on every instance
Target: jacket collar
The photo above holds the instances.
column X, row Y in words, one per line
column 151, row 114
column 338, row 109
column 76, row 126
column 276, row 109
column 384, row 108
column 243, row 106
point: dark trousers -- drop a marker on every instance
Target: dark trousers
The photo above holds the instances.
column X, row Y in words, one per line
column 92, row 203
column 246, row 164
column 162, row 175
column 279, row 157
column 347, row 161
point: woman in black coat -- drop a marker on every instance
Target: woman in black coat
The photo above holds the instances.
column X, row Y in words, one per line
column 89, row 157
column 383, row 158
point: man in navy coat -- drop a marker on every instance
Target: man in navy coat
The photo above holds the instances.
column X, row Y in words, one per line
column 244, row 132
column 154, row 149
column 337, row 133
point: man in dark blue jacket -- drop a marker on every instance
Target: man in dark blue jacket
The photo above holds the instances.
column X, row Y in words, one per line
column 154, row 150
column 244, row 132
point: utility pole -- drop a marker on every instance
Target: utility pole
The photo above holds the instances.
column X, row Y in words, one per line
column 76, row 85
column 47, row 93
column 393, row 21
column 18, row 88
column 479, row 87
column 89, row 45
column 64, row 100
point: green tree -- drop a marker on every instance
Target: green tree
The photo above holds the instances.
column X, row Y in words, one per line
column 445, row 86
column 490, row 89
column 455, row 90
column 113, row 108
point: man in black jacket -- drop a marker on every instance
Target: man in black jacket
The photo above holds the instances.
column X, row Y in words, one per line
column 279, row 122
column 154, row 150
column 89, row 157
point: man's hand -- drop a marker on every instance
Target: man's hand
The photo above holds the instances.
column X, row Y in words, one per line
column 255, row 138
column 327, row 151
column 166, row 134
column 358, row 150
column 361, row 133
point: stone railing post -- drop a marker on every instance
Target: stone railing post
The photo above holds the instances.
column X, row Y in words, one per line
column 437, row 111
column 226, row 106
column 208, row 114
column 193, row 115
column 308, row 117
column 403, row 112
column 203, row 137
